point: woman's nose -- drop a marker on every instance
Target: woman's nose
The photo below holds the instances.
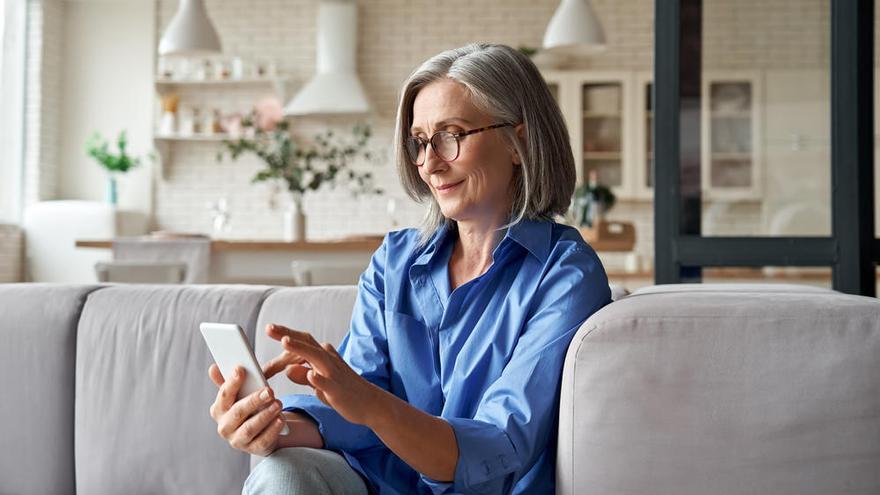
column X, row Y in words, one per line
column 433, row 163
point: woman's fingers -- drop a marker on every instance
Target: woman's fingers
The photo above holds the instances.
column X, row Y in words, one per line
column 276, row 331
column 254, row 425
column 242, row 410
column 227, row 393
column 312, row 353
column 280, row 362
column 297, row 373
column 216, row 376
column 264, row 444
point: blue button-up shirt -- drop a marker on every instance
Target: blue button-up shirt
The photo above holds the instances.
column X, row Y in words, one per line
column 486, row 357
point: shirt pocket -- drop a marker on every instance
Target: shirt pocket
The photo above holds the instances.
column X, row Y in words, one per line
column 412, row 353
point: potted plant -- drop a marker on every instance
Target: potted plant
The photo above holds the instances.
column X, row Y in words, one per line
column 591, row 202
column 114, row 162
column 301, row 168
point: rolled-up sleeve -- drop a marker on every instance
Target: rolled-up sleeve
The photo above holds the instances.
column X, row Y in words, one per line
column 365, row 349
column 518, row 412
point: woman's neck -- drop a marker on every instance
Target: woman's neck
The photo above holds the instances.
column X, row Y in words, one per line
column 472, row 253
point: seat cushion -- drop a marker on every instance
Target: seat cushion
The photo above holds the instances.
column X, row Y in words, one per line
column 143, row 392
column 724, row 390
column 37, row 359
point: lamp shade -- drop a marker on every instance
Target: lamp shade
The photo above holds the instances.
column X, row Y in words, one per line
column 190, row 31
column 574, row 29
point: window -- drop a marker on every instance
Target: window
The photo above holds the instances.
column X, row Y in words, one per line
column 12, row 58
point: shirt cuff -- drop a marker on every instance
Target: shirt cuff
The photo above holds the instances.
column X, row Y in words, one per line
column 485, row 456
column 336, row 431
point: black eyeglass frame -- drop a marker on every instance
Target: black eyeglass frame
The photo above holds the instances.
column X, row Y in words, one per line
column 423, row 143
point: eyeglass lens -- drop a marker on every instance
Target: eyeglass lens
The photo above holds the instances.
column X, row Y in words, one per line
column 444, row 143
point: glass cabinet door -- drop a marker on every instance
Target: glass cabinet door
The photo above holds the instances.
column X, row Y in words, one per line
column 730, row 128
column 731, row 135
column 602, row 131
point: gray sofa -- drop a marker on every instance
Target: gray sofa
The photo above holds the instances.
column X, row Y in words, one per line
column 678, row 389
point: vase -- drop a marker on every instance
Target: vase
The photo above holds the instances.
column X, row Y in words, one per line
column 295, row 221
column 110, row 194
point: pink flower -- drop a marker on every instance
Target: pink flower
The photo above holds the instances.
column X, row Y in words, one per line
column 268, row 113
column 232, row 125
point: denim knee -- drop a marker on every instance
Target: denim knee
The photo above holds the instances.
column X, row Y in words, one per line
column 302, row 470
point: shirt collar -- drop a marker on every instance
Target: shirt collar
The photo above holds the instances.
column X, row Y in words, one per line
column 533, row 235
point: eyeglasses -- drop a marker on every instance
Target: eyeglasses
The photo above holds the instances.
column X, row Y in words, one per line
column 445, row 144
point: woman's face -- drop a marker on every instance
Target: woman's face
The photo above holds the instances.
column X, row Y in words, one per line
column 476, row 185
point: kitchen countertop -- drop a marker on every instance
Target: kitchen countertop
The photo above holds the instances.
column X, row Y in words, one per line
column 347, row 244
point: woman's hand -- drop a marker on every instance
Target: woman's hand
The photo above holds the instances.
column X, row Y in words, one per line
column 323, row 369
column 252, row 424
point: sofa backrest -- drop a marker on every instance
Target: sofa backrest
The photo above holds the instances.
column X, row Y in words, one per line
column 107, row 386
column 720, row 389
column 37, row 368
column 143, row 393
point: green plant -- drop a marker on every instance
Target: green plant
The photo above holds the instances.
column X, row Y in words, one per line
column 591, row 201
column 98, row 148
column 303, row 168
column 528, row 51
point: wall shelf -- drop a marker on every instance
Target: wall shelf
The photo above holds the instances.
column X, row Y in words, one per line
column 194, row 137
column 168, row 85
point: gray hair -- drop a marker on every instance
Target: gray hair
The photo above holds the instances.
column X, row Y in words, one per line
column 504, row 84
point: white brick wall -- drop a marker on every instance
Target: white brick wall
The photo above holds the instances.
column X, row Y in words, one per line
column 395, row 36
column 43, row 100
column 11, row 249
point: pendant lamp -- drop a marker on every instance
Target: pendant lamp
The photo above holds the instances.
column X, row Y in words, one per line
column 574, row 29
column 190, row 31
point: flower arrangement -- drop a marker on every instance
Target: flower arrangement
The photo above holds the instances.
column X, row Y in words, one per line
column 301, row 168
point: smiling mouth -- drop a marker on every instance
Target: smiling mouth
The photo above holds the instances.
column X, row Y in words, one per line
column 448, row 186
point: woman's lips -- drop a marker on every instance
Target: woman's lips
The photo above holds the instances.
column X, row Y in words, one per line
column 447, row 188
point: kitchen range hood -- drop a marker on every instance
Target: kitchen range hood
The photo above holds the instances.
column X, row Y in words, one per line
column 335, row 89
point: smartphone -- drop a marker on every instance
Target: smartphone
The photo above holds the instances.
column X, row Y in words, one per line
column 229, row 346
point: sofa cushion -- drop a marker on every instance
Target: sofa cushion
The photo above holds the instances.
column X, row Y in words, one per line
column 143, row 392
column 38, row 330
column 724, row 390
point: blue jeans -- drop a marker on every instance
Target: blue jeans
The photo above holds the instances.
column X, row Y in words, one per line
column 302, row 470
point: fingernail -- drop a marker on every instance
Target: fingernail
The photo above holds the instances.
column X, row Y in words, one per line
column 264, row 394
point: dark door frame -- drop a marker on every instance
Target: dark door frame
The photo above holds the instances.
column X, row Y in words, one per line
column 680, row 251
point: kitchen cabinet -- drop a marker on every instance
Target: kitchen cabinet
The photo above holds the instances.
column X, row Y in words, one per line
column 597, row 110
column 610, row 117
column 731, row 136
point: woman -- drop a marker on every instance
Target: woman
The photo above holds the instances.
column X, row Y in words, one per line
column 448, row 380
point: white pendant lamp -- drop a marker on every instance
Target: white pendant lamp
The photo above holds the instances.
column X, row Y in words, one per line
column 574, row 29
column 190, row 31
